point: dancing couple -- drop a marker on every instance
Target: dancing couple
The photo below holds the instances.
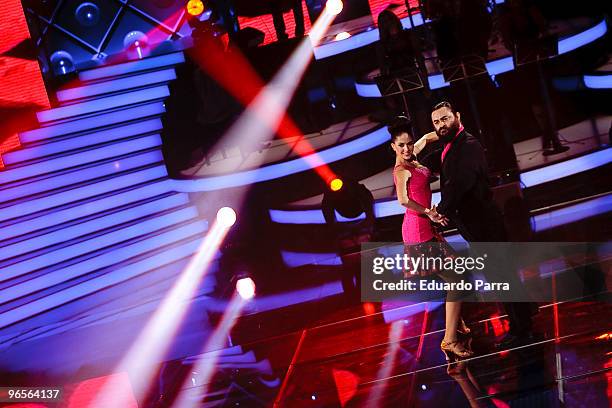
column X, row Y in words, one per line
column 466, row 199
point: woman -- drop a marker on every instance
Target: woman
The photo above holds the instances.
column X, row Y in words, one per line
column 399, row 57
column 413, row 192
column 395, row 50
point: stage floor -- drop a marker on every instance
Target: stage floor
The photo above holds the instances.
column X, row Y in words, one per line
column 229, row 159
column 359, row 357
column 581, row 137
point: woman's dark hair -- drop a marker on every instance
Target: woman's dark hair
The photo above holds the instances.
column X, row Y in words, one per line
column 399, row 126
column 386, row 21
column 444, row 104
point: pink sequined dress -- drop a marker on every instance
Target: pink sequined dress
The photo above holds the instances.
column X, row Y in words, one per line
column 416, row 227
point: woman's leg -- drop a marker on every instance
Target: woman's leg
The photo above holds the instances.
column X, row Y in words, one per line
column 453, row 305
column 453, row 319
column 453, row 313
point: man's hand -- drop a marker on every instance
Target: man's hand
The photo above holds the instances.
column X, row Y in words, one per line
column 433, row 215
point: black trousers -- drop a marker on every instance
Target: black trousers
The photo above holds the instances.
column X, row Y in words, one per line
column 493, row 230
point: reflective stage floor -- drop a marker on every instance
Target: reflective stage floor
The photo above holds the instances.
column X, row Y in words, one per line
column 362, row 355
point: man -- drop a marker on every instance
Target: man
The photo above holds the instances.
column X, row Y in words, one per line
column 525, row 33
column 468, row 201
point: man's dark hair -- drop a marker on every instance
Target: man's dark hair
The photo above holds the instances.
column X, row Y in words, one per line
column 400, row 125
column 444, row 104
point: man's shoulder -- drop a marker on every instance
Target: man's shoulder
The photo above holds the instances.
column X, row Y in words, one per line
column 470, row 138
column 470, row 149
column 470, row 142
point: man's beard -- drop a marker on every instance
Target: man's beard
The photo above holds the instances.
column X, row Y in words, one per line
column 452, row 130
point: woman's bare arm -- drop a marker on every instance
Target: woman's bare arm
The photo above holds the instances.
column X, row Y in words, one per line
column 422, row 142
column 402, row 176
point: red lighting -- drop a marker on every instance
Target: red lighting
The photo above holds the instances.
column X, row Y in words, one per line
column 82, row 395
column 234, row 73
column 346, row 385
column 608, row 365
column 22, row 92
column 264, row 24
column 369, row 309
column 499, row 326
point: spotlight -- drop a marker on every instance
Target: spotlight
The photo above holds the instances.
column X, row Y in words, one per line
column 349, row 199
column 245, row 288
column 135, row 41
column 226, row 217
column 342, row 36
column 334, row 7
column 335, row 184
column 195, row 7
column 87, row 14
column 62, row 63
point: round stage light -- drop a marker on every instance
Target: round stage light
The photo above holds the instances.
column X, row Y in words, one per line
column 342, row 36
column 135, row 39
column 226, row 217
column 135, row 43
column 334, row 7
column 245, row 288
column 195, row 7
column 336, row 184
column 61, row 63
column 87, row 14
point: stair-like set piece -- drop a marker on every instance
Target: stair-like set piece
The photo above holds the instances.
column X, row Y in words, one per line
column 88, row 215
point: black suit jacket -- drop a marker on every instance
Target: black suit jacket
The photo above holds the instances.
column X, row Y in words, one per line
column 466, row 196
